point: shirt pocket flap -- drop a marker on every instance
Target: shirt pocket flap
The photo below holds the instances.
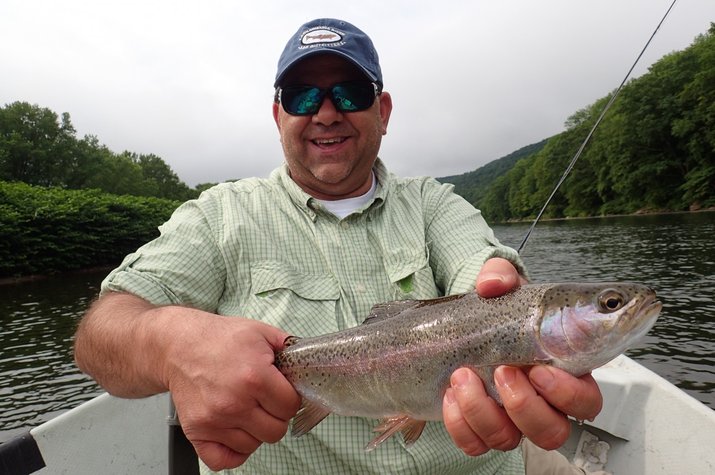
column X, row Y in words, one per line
column 400, row 265
column 412, row 276
column 267, row 277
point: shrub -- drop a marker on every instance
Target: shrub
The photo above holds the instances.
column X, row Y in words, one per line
column 50, row 230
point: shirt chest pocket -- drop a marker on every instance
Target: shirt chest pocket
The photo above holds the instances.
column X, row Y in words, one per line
column 411, row 276
column 299, row 303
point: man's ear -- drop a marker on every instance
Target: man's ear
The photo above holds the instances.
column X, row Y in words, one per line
column 276, row 116
column 385, row 110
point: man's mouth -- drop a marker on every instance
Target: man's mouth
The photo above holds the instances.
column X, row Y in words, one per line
column 328, row 141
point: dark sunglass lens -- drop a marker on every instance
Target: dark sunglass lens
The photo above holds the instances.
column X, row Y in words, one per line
column 347, row 97
column 351, row 97
column 301, row 100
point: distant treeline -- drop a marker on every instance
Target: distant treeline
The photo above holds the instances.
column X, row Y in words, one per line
column 654, row 151
column 38, row 147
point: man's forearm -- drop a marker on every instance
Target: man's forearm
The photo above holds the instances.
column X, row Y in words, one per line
column 117, row 345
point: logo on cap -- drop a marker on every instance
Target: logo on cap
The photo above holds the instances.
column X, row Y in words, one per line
column 320, row 35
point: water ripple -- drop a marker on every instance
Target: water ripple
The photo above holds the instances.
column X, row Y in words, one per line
column 38, row 378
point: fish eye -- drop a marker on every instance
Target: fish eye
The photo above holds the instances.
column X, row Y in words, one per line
column 610, row 301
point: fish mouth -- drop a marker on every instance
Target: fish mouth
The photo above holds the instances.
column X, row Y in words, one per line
column 647, row 313
column 651, row 306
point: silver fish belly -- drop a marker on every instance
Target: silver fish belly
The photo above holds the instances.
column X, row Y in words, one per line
column 396, row 366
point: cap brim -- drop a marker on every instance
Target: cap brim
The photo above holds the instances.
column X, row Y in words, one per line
column 319, row 51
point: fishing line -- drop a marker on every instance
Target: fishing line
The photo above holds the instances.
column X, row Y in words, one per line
column 593, row 129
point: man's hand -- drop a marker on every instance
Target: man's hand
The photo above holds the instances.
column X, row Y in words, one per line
column 229, row 396
column 536, row 401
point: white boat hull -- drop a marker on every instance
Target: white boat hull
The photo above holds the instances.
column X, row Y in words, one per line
column 652, row 427
column 107, row 435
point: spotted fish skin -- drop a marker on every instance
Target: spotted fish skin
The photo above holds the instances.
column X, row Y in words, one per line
column 396, row 366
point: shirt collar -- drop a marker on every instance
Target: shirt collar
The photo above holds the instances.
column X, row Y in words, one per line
column 305, row 202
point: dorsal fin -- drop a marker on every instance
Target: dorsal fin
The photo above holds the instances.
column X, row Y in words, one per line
column 383, row 311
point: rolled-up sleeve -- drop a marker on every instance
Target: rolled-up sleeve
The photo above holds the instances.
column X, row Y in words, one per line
column 182, row 266
column 459, row 239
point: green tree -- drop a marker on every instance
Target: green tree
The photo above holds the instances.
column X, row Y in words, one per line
column 90, row 157
column 695, row 128
column 495, row 203
column 121, row 175
column 201, row 187
column 656, row 162
column 521, row 185
column 167, row 182
column 581, row 188
column 39, row 147
column 36, row 145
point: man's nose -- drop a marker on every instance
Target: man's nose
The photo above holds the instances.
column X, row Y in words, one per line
column 327, row 114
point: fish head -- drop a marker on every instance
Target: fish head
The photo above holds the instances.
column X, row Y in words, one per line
column 583, row 326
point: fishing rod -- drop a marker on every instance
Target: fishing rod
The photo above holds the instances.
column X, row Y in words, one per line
column 577, row 155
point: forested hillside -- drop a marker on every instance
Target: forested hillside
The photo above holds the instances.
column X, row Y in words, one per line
column 475, row 184
column 654, row 151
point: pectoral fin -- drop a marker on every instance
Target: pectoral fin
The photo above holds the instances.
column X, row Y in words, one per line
column 308, row 416
column 411, row 430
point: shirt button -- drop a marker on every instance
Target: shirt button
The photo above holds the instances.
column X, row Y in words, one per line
column 344, row 224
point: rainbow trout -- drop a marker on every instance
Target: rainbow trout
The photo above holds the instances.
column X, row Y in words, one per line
column 396, row 366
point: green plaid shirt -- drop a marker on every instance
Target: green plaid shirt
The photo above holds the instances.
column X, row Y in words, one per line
column 264, row 249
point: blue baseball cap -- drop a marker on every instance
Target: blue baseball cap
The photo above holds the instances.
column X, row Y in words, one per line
column 331, row 36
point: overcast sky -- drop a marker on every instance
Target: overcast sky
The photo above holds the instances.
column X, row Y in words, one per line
column 191, row 81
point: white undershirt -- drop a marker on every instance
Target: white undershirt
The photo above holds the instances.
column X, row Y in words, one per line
column 343, row 208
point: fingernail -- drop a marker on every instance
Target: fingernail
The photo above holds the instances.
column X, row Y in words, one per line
column 505, row 377
column 449, row 397
column 542, row 378
column 491, row 277
column 459, row 379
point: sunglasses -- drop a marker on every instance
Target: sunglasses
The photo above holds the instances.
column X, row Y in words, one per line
column 353, row 96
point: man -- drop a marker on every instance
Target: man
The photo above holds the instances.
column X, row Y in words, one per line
column 201, row 310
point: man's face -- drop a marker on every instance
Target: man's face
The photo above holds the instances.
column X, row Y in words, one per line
column 330, row 154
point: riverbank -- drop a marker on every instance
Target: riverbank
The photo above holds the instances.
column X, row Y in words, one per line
column 38, row 277
column 637, row 213
column 107, row 268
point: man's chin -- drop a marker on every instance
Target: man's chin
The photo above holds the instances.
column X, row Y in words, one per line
column 331, row 174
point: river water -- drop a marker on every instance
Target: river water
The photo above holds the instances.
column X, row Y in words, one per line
column 672, row 253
